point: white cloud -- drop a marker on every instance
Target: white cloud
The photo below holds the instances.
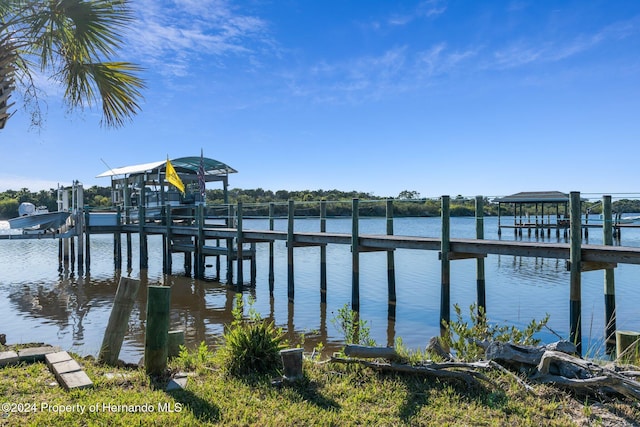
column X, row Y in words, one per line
column 525, row 51
column 172, row 33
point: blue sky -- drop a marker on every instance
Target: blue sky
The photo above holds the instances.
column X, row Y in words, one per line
column 435, row 96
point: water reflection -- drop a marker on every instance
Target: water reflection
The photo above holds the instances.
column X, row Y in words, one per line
column 39, row 302
column 201, row 308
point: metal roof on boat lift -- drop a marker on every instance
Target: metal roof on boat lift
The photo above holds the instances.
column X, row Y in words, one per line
column 535, row 197
column 212, row 167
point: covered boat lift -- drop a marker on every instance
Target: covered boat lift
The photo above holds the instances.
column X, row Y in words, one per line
column 146, row 184
column 554, row 201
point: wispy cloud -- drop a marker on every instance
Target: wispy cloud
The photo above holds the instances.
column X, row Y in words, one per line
column 172, row 33
column 525, row 52
column 425, row 9
column 396, row 70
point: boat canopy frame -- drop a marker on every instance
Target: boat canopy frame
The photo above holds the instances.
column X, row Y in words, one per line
column 128, row 182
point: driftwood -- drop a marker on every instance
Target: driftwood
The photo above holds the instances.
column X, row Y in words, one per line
column 366, row 352
column 524, row 354
column 579, row 374
column 435, row 347
column 551, row 364
column 463, row 371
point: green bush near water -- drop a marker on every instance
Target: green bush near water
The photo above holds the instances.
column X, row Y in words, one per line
column 250, row 346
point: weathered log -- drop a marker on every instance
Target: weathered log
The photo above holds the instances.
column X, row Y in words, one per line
column 436, row 348
column 524, row 354
column 558, row 363
column 468, row 375
column 366, row 352
column 570, row 371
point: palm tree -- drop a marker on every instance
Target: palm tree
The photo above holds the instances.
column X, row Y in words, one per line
column 72, row 42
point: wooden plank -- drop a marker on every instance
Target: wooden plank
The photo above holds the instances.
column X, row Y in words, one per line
column 373, row 249
column 464, row 255
column 593, row 266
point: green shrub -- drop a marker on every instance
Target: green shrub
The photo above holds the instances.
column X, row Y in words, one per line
column 194, row 360
column 463, row 338
column 250, row 346
column 354, row 330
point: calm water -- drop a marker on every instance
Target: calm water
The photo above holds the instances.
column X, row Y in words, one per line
column 42, row 303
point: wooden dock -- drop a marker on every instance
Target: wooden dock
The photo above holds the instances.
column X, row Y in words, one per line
column 196, row 239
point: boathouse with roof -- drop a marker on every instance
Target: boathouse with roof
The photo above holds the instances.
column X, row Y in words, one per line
column 553, row 204
column 146, row 184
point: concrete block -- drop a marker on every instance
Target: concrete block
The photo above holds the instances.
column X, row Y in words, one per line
column 8, row 358
column 60, row 356
column 36, row 354
column 75, row 380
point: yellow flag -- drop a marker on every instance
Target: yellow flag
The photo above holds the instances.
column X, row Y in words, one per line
column 173, row 177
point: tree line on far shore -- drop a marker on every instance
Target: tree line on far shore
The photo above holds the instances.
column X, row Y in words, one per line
column 255, row 202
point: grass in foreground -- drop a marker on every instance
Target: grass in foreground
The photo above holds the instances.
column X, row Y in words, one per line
column 329, row 394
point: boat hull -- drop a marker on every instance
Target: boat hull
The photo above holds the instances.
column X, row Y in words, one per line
column 43, row 221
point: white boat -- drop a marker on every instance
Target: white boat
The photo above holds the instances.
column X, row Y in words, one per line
column 38, row 219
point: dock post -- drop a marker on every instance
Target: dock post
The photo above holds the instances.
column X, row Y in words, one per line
column 271, row 249
column 355, row 256
column 445, row 291
column 253, row 266
column 127, row 220
column 144, row 258
column 142, row 217
column 117, row 242
column 391, row 269
column 575, row 296
column 323, row 253
column 168, row 261
column 157, row 330
column 239, row 252
column 290, row 236
column 480, row 280
column 230, row 224
column 79, row 218
column 199, row 255
column 609, row 281
column 87, row 241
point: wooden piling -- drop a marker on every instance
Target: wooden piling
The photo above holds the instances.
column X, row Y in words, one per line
column 239, row 243
column 627, row 346
column 355, row 256
column 323, row 253
column 79, row 224
column 230, row 221
column 199, row 257
column 87, row 243
column 271, row 249
column 174, row 340
column 480, row 277
column 290, row 237
column 168, row 258
column 118, row 320
column 391, row 269
column 117, row 243
column 609, row 278
column 142, row 213
column 157, row 330
column 575, row 292
column 445, row 310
